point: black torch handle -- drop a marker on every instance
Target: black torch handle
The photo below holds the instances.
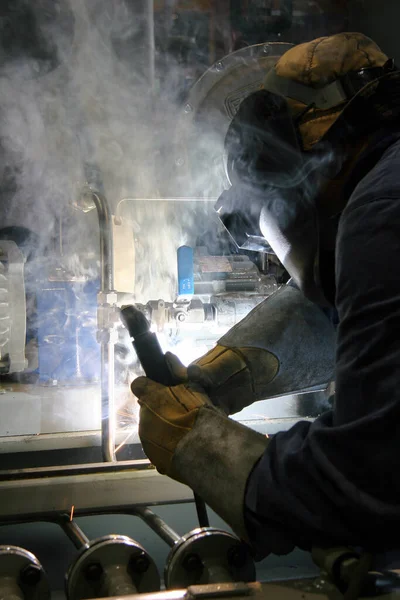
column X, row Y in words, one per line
column 146, row 344
column 152, row 359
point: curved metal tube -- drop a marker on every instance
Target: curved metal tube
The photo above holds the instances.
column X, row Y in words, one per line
column 107, row 345
column 106, row 243
column 156, row 523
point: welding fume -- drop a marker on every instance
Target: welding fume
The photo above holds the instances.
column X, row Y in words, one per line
column 232, row 220
column 87, row 225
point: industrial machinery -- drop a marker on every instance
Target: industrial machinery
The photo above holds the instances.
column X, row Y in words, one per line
column 108, row 192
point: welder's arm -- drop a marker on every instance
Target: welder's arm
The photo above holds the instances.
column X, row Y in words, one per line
column 284, row 345
column 335, row 481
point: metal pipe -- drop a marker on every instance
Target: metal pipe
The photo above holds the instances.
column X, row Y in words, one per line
column 159, row 526
column 75, row 534
column 108, row 417
column 347, row 568
column 118, row 582
column 107, row 345
column 106, row 243
column 201, row 509
column 9, row 588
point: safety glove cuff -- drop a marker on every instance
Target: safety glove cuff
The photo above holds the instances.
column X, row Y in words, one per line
column 215, row 459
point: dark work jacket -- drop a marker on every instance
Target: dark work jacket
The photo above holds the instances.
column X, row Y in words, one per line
column 337, row 480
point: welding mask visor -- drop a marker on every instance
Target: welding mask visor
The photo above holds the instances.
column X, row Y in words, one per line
column 270, row 205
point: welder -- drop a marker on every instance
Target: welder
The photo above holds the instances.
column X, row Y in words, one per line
column 315, row 155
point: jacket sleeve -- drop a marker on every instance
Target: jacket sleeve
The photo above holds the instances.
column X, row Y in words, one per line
column 336, row 480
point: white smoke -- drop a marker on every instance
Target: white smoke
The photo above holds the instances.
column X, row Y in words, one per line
column 102, row 118
column 99, row 118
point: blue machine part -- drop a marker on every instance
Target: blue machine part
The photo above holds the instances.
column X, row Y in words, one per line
column 185, row 271
column 66, row 330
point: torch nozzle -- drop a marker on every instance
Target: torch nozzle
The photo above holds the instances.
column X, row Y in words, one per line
column 134, row 320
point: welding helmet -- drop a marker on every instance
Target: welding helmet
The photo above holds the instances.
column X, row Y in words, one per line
column 295, row 135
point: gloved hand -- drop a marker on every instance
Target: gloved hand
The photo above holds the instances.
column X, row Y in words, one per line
column 232, row 377
column 187, row 438
column 284, row 345
column 167, row 414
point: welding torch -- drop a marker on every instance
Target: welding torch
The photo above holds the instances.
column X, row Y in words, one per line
column 152, row 359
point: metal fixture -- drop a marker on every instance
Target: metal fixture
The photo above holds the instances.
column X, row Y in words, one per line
column 75, row 533
column 12, row 308
column 204, row 555
column 113, row 565
column 107, row 319
column 106, row 244
column 208, row 555
column 353, row 574
column 223, row 311
column 157, row 524
column 42, row 494
column 21, row 575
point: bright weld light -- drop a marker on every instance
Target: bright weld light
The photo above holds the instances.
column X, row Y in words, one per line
column 187, row 351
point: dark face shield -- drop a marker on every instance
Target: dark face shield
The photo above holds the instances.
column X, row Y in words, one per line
column 239, row 212
column 270, row 205
column 278, row 221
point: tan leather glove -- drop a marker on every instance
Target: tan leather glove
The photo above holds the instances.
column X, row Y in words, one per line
column 284, row 345
column 167, row 414
column 232, row 377
column 190, row 440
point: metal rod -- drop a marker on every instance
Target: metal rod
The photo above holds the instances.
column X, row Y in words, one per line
column 108, row 418
column 201, row 510
column 159, row 526
column 75, row 533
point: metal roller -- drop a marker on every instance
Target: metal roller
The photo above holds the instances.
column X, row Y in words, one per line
column 208, row 555
column 21, row 575
column 113, row 565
